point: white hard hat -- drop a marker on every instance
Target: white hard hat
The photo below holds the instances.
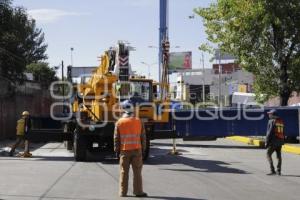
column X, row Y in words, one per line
column 25, row 113
column 273, row 111
column 127, row 106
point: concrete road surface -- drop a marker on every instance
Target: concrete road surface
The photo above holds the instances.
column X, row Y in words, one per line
column 219, row 169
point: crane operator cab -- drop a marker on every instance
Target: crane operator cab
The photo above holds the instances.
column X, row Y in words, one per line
column 140, row 93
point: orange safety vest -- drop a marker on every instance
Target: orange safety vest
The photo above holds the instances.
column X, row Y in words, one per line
column 279, row 128
column 130, row 129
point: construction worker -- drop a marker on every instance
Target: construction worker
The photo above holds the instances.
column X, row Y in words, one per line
column 129, row 142
column 22, row 129
column 136, row 99
column 274, row 140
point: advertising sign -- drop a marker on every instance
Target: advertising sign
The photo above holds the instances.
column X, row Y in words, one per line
column 242, row 88
column 223, row 56
column 180, row 61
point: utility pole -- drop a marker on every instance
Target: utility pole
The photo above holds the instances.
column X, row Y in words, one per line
column 63, row 85
column 220, row 71
column 203, row 79
column 163, row 39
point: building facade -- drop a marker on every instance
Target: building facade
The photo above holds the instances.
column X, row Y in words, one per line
column 217, row 87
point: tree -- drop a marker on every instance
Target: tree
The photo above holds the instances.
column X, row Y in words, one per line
column 264, row 36
column 21, row 43
column 42, row 73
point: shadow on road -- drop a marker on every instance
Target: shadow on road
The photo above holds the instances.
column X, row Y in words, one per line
column 40, row 158
column 207, row 146
column 5, row 148
column 53, row 158
column 160, row 157
column 20, row 196
column 288, row 175
column 168, row 198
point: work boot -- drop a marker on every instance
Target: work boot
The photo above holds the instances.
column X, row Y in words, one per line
column 123, row 195
column 271, row 173
column 279, row 173
column 27, row 155
column 142, row 195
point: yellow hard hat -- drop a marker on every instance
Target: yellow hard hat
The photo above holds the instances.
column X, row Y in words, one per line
column 25, row 113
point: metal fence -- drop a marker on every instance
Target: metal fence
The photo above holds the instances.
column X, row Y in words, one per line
column 230, row 121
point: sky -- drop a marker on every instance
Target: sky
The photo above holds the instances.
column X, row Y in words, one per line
column 92, row 26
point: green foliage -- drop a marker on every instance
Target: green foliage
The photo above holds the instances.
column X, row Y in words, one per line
column 42, row 73
column 21, row 43
column 264, row 36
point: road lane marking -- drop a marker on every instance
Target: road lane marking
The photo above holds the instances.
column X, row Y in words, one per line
column 57, row 180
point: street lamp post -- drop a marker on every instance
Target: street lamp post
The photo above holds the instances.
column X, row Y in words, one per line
column 159, row 64
column 203, row 79
column 220, row 76
column 148, row 65
column 72, row 49
column 63, row 87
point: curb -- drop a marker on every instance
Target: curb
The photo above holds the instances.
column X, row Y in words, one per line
column 247, row 140
column 260, row 143
column 291, row 149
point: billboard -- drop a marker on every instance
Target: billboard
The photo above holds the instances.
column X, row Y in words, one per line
column 180, row 61
column 223, row 56
column 242, row 88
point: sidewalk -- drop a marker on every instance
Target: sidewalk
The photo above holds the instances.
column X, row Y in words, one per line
column 289, row 148
column 5, row 146
column 6, row 143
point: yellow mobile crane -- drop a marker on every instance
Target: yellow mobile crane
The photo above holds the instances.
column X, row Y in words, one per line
column 97, row 101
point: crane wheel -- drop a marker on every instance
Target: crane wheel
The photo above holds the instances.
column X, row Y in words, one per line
column 79, row 146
